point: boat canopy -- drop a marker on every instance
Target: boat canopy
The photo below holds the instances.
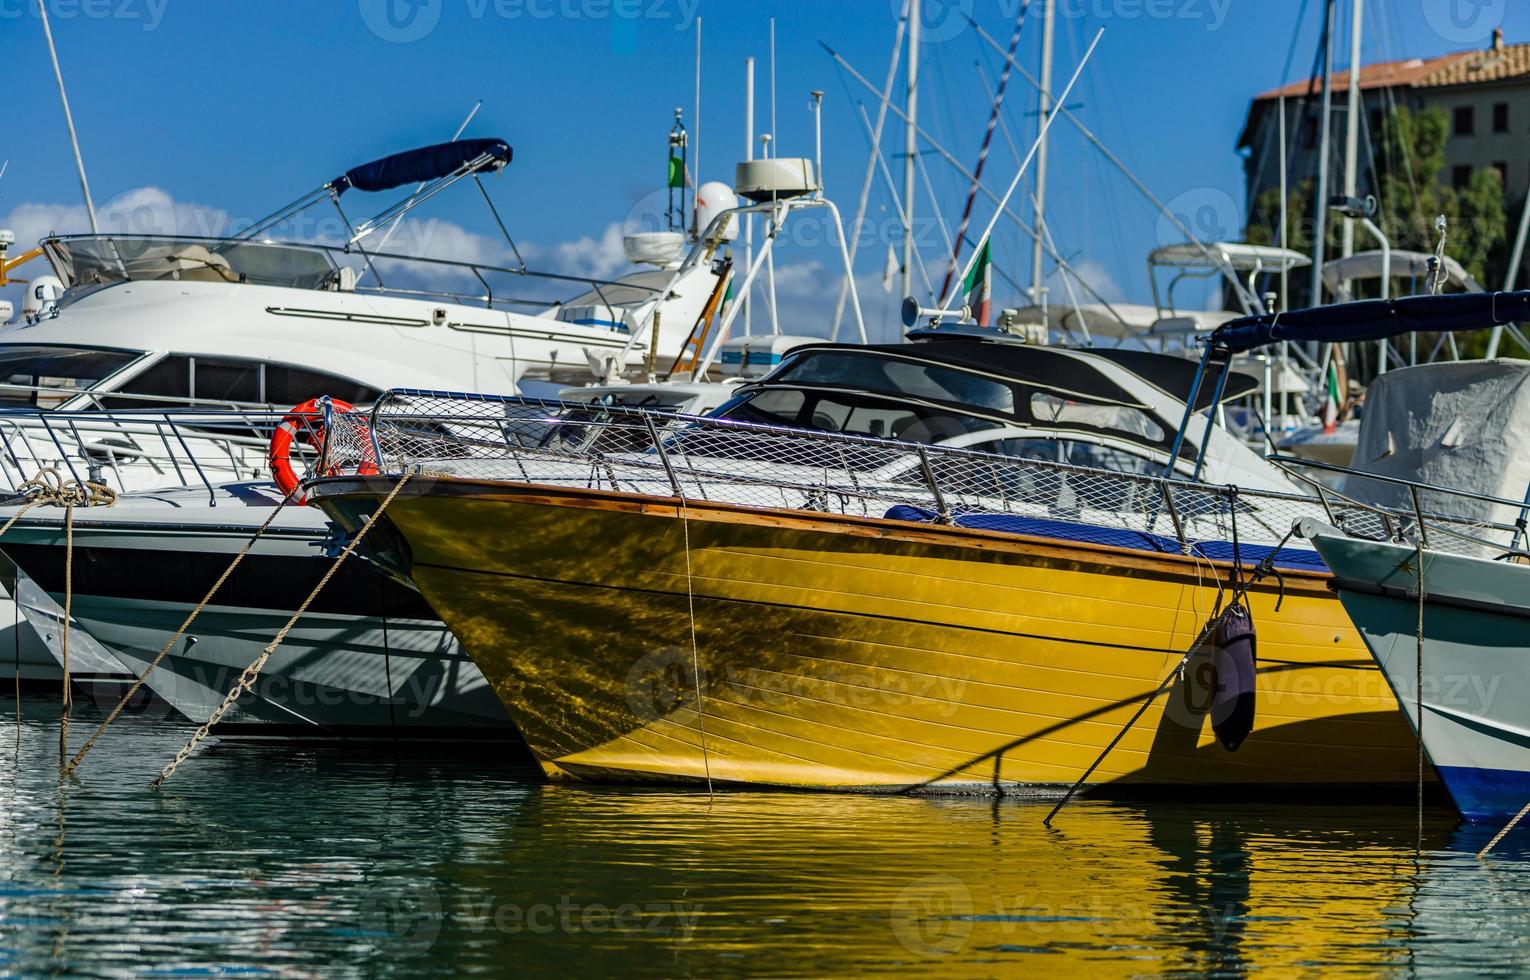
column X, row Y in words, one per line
column 425, row 164
column 1237, row 255
column 1404, row 265
column 1091, row 319
column 1457, row 424
column 1375, row 320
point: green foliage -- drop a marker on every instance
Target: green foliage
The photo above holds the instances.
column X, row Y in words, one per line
column 1410, row 164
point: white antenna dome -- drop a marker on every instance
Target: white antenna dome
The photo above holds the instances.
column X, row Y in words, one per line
column 712, row 199
column 42, row 296
column 660, row 248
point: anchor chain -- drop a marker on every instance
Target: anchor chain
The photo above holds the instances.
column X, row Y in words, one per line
column 247, row 679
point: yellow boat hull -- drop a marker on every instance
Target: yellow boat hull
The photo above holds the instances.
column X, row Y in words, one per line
column 633, row 638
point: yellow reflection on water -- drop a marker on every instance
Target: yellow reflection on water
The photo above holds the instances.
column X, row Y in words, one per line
column 817, row 883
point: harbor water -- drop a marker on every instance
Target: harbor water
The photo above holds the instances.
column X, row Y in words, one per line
column 285, row 860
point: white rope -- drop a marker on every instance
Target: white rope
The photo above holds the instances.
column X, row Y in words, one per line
column 690, row 601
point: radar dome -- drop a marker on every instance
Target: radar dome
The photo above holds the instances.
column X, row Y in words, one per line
column 712, row 199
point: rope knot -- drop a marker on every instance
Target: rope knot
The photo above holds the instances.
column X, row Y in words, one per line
column 50, row 487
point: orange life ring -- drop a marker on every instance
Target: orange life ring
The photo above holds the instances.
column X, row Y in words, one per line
column 306, row 421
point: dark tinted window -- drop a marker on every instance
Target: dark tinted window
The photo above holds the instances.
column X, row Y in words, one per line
column 225, row 381
column 178, row 379
column 287, row 386
column 163, row 384
column 1466, row 121
column 891, row 376
column 66, row 369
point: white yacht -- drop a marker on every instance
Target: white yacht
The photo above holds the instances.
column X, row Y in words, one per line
column 145, row 326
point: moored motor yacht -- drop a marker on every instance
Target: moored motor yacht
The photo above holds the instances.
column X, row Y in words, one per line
column 741, row 601
column 134, row 328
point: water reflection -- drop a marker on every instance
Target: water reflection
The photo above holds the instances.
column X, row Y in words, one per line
column 301, row 862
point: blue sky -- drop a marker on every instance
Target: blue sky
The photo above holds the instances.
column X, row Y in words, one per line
column 231, row 109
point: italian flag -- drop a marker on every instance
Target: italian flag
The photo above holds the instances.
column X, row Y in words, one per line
column 1333, row 403
column 978, row 287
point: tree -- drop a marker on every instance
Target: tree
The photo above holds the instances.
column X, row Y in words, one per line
column 1411, row 195
column 1408, row 169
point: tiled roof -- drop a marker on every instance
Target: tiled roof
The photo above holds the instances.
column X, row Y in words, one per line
column 1479, row 67
column 1383, row 74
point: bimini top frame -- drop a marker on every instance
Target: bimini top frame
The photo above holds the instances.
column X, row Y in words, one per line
column 434, row 168
column 1378, row 319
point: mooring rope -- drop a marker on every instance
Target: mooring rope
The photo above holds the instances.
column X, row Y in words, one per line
column 174, row 639
column 247, row 679
column 48, row 486
column 67, row 705
column 690, row 601
column 1418, row 689
column 1505, row 831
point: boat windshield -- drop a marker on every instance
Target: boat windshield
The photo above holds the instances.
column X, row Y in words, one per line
column 90, row 261
column 892, row 376
column 46, row 377
column 849, row 412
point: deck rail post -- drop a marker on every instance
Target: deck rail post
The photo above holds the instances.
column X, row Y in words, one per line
column 658, row 445
column 929, row 479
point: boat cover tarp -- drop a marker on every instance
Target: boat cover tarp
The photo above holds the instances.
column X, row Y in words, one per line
column 1375, row 319
column 1111, row 537
column 423, row 165
column 1458, row 424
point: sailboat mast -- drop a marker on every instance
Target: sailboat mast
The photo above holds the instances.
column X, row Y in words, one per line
column 910, row 145
column 1352, row 128
column 1325, row 145
column 74, row 140
column 748, row 155
column 1044, row 106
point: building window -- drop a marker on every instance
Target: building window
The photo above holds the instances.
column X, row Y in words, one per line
column 1309, row 137
column 1501, row 117
column 1503, row 172
column 1466, row 121
column 1460, row 176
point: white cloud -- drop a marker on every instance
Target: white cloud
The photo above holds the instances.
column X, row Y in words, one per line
column 596, row 258
column 141, row 211
column 1091, row 272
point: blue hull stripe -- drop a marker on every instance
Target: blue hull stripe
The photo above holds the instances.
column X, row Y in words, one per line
column 1486, row 794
